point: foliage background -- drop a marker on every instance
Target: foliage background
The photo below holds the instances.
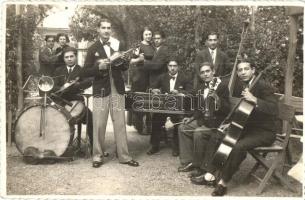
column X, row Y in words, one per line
column 186, row 28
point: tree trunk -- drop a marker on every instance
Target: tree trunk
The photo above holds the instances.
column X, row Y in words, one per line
column 19, row 59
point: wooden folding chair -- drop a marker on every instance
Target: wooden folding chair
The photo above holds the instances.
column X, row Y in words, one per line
column 286, row 114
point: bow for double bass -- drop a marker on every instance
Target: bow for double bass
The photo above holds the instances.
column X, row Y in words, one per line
column 238, row 118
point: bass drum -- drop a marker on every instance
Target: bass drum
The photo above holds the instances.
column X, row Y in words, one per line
column 58, row 129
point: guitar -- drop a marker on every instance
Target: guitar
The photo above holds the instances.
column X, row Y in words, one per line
column 238, row 119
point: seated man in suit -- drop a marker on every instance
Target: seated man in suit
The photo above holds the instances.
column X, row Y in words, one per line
column 195, row 132
column 64, row 76
column 259, row 129
column 173, row 83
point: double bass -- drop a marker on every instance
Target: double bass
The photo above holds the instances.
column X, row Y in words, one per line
column 238, row 119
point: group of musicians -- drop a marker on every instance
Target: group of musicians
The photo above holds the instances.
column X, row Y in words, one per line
column 196, row 139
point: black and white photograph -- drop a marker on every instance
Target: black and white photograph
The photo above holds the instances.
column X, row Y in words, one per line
column 142, row 99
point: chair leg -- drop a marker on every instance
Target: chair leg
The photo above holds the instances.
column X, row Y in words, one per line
column 271, row 171
column 255, row 167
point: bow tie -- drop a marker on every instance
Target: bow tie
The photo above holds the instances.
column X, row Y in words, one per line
column 172, row 77
column 106, row 43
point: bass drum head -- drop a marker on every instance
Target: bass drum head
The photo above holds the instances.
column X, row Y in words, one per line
column 58, row 132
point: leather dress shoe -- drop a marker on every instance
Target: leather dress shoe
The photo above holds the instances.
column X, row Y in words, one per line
column 186, row 168
column 219, row 190
column 153, row 150
column 131, row 163
column 96, row 164
column 200, row 180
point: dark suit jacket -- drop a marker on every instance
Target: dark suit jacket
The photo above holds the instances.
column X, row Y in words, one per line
column 221, row 61
column 63, row 76
column 264, row 114
column 182, row 83
column 101, row 83
column 222, row 92
column 157, row 65
column 47, row 60
column 60, row 61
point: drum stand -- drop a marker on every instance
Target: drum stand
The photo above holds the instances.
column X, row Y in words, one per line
column 88, row 146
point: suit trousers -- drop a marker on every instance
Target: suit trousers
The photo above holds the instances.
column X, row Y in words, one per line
column 193, row 140
column 251, row 139
column 158, row 120
column 115, row 104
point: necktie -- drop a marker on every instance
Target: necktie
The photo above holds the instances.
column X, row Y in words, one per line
column 213, row 56
column 70, row 70
column 172, row 77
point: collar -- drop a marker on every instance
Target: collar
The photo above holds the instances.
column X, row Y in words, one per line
column 104, row 43
column 68, row 67
column 210, row 50
column 173, row 75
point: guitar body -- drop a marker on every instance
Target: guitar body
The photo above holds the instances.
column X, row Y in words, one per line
column 233, row 133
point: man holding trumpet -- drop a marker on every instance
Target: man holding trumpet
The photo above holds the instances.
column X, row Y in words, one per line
column 195, row 132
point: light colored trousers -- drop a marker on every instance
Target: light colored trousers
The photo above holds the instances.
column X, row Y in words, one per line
column 115, row 104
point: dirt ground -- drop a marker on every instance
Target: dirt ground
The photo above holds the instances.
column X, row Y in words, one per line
column 156, row 175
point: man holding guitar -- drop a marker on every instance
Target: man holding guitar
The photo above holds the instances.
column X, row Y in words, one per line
column 195, row 132
column 259, row 127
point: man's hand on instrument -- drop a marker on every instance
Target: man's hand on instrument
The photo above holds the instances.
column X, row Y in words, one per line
column 103, row 64
column 156, row 91
column 67, row 85
column 125, row 56
column 174, row 91
column 187, row 120
column 247, row 95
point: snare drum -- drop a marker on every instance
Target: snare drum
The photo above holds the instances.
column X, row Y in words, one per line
column 58, row 134
column 77, row 110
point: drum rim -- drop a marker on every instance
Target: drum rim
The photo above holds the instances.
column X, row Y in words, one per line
column 66, row 114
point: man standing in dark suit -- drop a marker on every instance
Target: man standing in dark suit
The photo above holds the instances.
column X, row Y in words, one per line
column 65, row 75
column 47, row 57
column 108, row 94
column 261, row 124
column 196, row 131
column 172, row 83
column 213, row 55
column 157, row 65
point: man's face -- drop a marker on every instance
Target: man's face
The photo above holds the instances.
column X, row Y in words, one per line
column 245, row 72
column 158, row 40
column 147, row 35
column 70, row 58
column 104, row 30
column 206, row 73
column 172, row 68
column 50, row 42
column 212, row 41
column 62, row 40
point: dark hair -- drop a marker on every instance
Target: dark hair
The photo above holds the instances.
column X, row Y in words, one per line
column 212, row 33
column 49, row 36
column 146, row 28
column 62, row 34
column 172, row 59
column 245, row 58
column 69, row 49
column 161, row 33
column 206, row 64
column 103, row 20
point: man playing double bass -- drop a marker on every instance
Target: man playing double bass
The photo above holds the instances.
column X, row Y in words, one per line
column 259, row 128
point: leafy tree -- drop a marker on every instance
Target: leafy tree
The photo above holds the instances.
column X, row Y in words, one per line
column 186, row 28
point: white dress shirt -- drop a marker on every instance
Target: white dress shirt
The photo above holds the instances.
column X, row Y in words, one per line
column 172, row 82
column 213, row 55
